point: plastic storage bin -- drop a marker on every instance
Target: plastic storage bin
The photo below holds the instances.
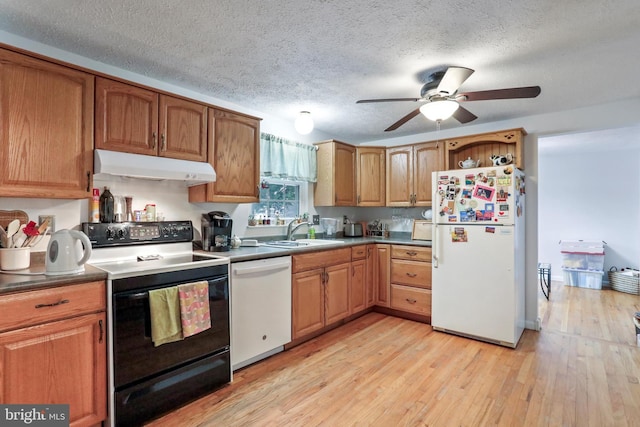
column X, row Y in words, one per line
column 583, row 278
column 582, row 254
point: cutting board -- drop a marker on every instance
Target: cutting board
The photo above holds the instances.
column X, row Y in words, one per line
column 7, row 216
column 421, row 230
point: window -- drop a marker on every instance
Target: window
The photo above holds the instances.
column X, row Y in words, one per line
column 278, row 198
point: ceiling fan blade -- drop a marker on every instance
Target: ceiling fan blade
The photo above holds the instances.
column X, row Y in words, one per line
column 511, row 93
column 463, row 115
column 403, row 120
column 453, row 79
column 363, row 101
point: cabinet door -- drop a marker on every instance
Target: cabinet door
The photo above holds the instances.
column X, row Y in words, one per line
column 126, row 118
column 427, row 158
column 370, row 176
column 336, row 287
column 383, row 277
column 58, row 362
column 234, row 153
column 307, row 302
column 370, row 283
column 345, row 172
column 183, row 129
column 358, row 290
column 46, row 129
column 399, row 176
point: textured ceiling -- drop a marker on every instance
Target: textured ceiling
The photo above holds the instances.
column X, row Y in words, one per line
column 280, row 57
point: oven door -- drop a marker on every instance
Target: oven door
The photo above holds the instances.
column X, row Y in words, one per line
column 136, row 358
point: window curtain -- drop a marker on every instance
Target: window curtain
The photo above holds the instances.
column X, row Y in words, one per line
column 284, row 159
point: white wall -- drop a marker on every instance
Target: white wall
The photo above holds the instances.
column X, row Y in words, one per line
column 589, row 191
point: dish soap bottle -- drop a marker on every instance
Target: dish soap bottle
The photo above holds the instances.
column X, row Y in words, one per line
column 106, row 206
column 312, row 232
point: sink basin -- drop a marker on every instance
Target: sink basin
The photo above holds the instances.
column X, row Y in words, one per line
column 301, row 243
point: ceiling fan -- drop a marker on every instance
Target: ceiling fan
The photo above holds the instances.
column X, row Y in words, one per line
column 441, row 97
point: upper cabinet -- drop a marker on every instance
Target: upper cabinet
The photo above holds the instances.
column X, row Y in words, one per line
column 140, row 121
column 370, row 176
column 336, row 184
column 482, row 146
column 234, row 153
column 46, row 133
column 409, row 171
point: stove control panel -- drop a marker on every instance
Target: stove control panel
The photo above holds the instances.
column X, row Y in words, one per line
column 137, row 233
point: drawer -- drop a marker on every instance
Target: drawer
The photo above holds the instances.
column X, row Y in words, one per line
column 410, row 299
column 321, row 259
column 412, row 273
column 416, row 253
column 359, row 252
column 45, row 305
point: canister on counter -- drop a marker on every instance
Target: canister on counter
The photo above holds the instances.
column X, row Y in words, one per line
column 150, row 209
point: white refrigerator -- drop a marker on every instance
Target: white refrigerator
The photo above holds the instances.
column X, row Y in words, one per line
column 478, row 253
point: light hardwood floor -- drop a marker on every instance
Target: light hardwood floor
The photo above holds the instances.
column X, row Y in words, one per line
column 581, row 369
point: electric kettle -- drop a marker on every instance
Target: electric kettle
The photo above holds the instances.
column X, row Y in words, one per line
column 63, row 256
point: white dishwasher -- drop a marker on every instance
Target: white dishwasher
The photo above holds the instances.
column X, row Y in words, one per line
column 260, row 309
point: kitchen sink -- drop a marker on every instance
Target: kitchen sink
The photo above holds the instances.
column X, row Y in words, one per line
column 320, row 242
column 300, row 243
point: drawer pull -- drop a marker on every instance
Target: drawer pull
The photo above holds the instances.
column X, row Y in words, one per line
column 64, row 301
column 411, row 274
column 412, row 253
column 411, row 300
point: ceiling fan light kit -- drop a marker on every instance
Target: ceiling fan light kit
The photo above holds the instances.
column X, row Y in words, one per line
column 304, row 123
column 439, row 110
column 441, row 96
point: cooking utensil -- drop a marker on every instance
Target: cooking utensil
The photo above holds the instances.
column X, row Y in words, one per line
column 12, row 229
column 19, row 237
column 4, row 241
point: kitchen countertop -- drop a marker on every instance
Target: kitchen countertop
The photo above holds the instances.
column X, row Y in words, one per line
column 245, row 253
column 18, row 283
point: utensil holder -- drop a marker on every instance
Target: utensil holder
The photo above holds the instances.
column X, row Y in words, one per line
column 15, row 258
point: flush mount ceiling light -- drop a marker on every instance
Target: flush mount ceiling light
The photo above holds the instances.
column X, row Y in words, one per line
column 439, row 110
column 304, row 123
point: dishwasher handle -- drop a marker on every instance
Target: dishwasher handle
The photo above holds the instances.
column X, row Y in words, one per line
column 263, row 268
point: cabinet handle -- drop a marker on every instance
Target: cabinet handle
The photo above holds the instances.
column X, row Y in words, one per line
column 153, row 140
column 63, row 301
column 411, row 274
column 101, row 330
column 368, row 252
column 411, row 300
column 163, row 143
column 412, row 253
column 88, row 181
column 358, row 199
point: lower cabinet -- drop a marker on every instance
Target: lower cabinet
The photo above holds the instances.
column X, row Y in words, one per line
column 382, row 283
column 359, row 290
column 53, row 350
column 320, row 289
column 411, row 279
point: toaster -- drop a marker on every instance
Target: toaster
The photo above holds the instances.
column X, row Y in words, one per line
column 353, row 230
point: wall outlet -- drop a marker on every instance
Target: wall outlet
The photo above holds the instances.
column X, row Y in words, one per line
column 316, row 220
column 52, row 221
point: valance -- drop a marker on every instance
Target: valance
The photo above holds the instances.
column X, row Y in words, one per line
column 285, row 159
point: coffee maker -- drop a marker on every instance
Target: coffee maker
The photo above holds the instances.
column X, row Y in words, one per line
column 216, row 231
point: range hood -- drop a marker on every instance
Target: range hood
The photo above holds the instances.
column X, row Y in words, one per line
column 114, row 163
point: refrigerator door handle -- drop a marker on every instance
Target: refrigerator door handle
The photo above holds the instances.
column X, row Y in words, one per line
column 434, row 246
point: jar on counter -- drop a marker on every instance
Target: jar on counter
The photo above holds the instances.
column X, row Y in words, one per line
column 150, row 210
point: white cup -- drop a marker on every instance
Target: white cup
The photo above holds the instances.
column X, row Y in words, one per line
column 15, row 258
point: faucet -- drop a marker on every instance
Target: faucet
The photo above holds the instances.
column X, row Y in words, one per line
column 291, row 228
